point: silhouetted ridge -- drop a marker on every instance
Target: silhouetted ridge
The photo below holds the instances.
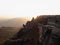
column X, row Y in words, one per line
column 44, row 30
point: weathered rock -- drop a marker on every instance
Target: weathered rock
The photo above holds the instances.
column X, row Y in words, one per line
column 44, row 30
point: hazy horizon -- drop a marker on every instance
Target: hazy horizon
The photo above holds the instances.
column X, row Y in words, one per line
column 28, row 8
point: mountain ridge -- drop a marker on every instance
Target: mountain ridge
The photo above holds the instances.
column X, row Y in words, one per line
column 15, row 22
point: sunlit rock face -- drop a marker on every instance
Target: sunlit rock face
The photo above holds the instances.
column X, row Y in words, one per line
column 44, row 30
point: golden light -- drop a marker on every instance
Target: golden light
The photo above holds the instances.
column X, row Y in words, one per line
column 28, row 8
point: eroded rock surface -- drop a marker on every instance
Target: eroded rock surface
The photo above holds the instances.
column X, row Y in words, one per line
column 44, row 30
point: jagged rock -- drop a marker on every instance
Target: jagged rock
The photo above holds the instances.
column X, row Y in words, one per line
column 44, row 30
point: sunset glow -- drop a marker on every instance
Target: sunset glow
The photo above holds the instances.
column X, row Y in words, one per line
column 28, row 8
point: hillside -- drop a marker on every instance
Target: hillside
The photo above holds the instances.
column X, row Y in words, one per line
column 6, row 33
column 15, row 22
column 44, row 30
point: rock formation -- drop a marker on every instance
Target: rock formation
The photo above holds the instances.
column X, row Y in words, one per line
column 44, row 30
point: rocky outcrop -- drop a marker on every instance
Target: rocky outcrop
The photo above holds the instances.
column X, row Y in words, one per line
column 44, row 30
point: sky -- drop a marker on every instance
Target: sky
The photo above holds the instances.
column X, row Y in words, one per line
column 28, row 8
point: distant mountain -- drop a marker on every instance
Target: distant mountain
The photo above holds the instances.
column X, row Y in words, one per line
column 3, row 19
column 15, row 22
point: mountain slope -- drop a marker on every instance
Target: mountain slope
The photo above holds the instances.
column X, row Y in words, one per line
column 16, row 22
column 44, row 30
